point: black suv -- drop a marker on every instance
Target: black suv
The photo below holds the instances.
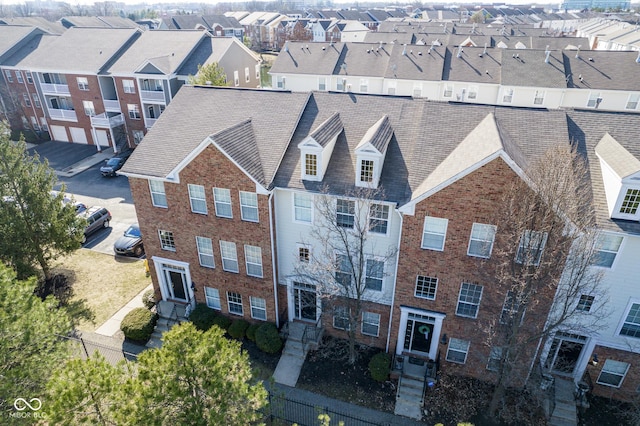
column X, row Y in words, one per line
column 97, row 218
column 114, row 164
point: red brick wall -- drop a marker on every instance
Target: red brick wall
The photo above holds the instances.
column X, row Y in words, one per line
column 628, row 389
column 379, row 342
column 13, row 97
column 210, row 169
column 130, row 98
column 474, row 198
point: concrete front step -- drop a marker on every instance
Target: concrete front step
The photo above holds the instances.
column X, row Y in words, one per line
column 410, row 393
column 408, row 409
column 411, row 383
column 565, row 414
column 288, row 369
column 553, row 421
column 294, row 348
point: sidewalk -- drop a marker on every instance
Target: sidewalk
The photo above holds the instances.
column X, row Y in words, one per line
column 112, row 325
column 87, row 163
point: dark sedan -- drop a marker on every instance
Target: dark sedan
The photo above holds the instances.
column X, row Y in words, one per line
column 113, row 165
column 130, row 244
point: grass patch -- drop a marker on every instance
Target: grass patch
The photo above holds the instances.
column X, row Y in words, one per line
column 101, row 282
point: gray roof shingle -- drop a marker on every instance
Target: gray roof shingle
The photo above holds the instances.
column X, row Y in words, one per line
column 603, row 70
column 530, row 68
column 327, row 130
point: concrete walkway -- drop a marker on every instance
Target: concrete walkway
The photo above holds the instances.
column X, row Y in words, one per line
column 112, row 325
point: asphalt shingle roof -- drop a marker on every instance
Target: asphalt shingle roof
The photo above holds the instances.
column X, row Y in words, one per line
column 317, row 58
column 530, row 68
column 11, row 35
column 473, row 65
column 605, row 70
column 327, row 130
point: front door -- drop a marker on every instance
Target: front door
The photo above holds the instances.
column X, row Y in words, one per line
column 565, row 352
column 175, row 282
column 419, row 334
column 305, row 302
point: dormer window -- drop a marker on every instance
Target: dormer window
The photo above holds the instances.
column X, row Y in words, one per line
column 311, row 165
column 370, row 153
column 316, row 149
column 630, row 202
column 366, row 170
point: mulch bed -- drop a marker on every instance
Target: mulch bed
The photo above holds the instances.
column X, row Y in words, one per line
column 262, row 363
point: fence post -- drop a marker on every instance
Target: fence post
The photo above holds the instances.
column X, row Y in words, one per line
column 86, row 352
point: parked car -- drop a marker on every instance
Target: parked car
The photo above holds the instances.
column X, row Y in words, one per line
column 113, row 165
column 97, row 218
column 130, row 243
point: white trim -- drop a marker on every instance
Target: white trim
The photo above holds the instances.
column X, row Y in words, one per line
column 213, row 260
column 437, row 328
column 247, row 263
column 424, row 231
column 228, row 258
column 242, row 206
column 493, row 239
column 158, row 262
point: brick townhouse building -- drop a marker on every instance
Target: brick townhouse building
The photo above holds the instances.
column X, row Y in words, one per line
column 227, row 199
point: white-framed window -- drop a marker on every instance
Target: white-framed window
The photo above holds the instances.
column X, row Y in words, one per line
column 507, row 95
column 249, row 206
column 364, row 85
column 613, row 373
column 374, row 274
column 538, row 98
column 341, row 83
column 343, row 273
column 234, row 301
column 457, row 350
column 197, row 199
column 630, row 202
column 281, row 82
column 89, row 109
column 341, row 318
column 304, row 253
column 448, row 91
column 469, row 300
column 531, row 247
column 247, row 75
column 258, row 72
column 166, row 240
column 417, row 90
column 158, row 195
column 205, row 252
column 509, row 308
column 253, row 259
column 128, row 86
column 379, row 218
column 366, row 170
column 473, row 93
column 236, row 79
column 258, row 308
column 138, row 135
column 370, row 323
column 345, row 213
column 434, row 233
column 222, row 201
column 134, row 111
column 212, row 296
column 495, row 357
column 36, row 100
column 302, row 207
column 7, row 73
column 481, row 240
column 311, row 165
column 322, row 83
column 608, row 246
column 27, row 99
column 29, row 77
column 19, row 77
column 83, row 83
column 426, row 287
column 632, row 102
column 631, row 324
column 594, row 100
column 229, row 256
column 585, row 303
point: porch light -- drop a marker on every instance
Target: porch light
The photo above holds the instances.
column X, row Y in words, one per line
column 193, row 286
column 443, row 339
column 594, row 360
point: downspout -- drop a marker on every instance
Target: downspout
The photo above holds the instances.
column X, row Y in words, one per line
column 273, row 263
column 395, row 281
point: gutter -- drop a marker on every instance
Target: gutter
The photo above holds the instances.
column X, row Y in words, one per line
column 273, row 263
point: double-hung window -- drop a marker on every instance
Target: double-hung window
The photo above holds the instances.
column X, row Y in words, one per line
column 222, row 200
column 166, row 240
column 29, row 77
column 370, row 323
column 345, row 213
column 9, row 76
column 235, row 303
column 197, row 199
column 36, row 100
column 249, row 206
column 89, row 109
column 481, row 240
column 134, row 111
column 229, row 256
column 378, row 218
column 341, row 318
column 158, row 195
column 374, row 274
column 531, row 247
column 607, row 246
column 83, row 83
column 19, row 77
column 585, row 303
column 303, row 207
column 613, row 373
column 205, row 252
column 253, row 258
column 212, row 296
column 27, row 100
column 434, row 233
column 631, row 324
column 426, row 287
column 343, row 273
column 457, row 351
column 128, row 86
column 258, row 308
column 469, row 300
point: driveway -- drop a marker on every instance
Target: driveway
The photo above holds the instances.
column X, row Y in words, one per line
column 62, row 154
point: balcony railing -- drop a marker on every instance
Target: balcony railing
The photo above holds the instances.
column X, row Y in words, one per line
column 63, row 114
column 111, row 106
column 54, row 89
column 102, row 120
column 152, row 96
column 150, row 122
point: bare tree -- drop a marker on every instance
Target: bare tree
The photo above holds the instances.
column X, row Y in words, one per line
column 547, row 220
column 104, row 8
column 345, row 264
column 24, row 9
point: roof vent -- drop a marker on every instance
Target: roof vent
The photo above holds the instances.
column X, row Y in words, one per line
column 590, row 59
column 404, row 50
column 578, row 52
column 484, row 52
column 459, row 52
column 546, row 59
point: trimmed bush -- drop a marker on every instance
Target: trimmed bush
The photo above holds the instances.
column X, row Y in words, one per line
column 251, row 332
column 238, row 328
column 149, row 299
column 268, row 339
column 138, row 324
column 379, row 366
column 222, row 322
column 203, row 317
